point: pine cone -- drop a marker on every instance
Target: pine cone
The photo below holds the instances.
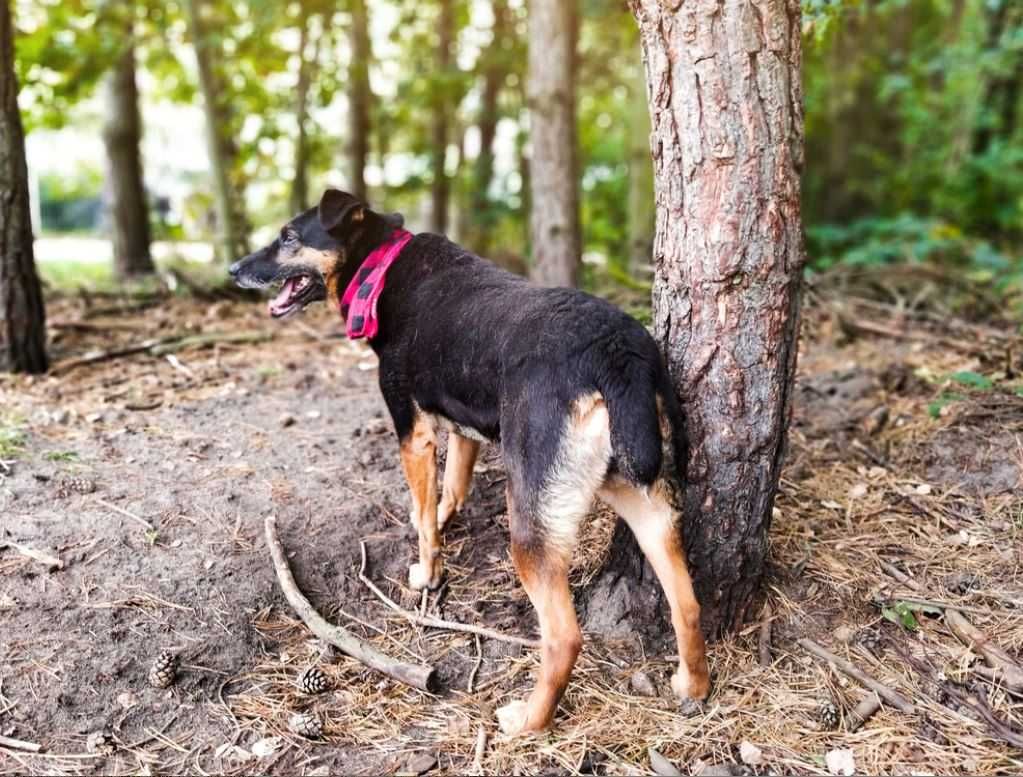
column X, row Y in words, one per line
column 306, row 724
column 99, row 742
column 870, row 639
column 74, row 485
column 313, row 680
column 827, row 714
column 164, row 670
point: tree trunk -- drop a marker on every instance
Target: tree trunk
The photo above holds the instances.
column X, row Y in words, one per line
column 495, row 71
column 440, row 190
column 554, row 214
column 359, row 97
column 22, row 318
column 641, row 184
column 298, row 200
column 231, row 240
column 727, row 143
column 122, row 135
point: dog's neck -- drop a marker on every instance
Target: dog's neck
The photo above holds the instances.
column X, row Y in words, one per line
column 375, row 231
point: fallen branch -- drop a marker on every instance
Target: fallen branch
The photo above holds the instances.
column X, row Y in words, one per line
column 481, row 747
column 93, row 357
column 1010, row 673
column 894, row 698
column 437, row 623
column 201, row 341
column 863, row 712
column 410, row 674
column 52, row 562
column 20, row 744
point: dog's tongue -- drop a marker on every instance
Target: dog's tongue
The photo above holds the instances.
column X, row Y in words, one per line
column 280, row 303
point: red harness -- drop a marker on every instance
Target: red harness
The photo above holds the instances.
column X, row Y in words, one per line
column 359, row 302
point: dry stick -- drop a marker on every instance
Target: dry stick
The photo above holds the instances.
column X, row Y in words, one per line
column 764, row 643
column 125, row 513
column 863, row 711
column 481, row 746
column 476, row 665
column 20, row 744
column 43, row 558
column 437, row 623
column 1010, row 672
column 894, row 698
column 410, row 674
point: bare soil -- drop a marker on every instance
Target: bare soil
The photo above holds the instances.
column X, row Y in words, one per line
column 203, row 443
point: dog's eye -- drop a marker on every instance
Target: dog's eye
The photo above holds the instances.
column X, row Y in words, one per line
column 289, row 238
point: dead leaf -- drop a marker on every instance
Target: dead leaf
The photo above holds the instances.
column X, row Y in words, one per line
column 266, row 746
column 750, row 754
column 662, row 766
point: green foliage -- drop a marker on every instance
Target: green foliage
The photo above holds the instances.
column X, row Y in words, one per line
column 12, row 437
column 972, row 380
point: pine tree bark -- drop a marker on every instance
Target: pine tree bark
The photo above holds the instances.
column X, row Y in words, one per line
column 727, row 143
column 440, row 189
column 122, row 136
column 22, row 317
column 232, row 230
column 554, row 213
column 298, row 199
column 359, row 99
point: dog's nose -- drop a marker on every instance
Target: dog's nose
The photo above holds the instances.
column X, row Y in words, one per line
column 235, row 268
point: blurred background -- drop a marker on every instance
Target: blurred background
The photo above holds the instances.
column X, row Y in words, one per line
column 247, row 110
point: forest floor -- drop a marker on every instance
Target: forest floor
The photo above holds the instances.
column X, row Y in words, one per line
column 133, row 492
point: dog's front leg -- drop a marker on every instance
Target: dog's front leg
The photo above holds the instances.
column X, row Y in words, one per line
column 419, row 460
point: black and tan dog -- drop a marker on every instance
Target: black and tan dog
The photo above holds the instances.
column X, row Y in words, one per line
column 572, row 389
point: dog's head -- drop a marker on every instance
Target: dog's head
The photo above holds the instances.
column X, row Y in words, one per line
column 309, row 256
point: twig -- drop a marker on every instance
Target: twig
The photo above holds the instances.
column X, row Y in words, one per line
column 410, row 674
column 863, row 711
column 1010, row 672
column 894, row 698
column 764, row 642
column 481, row 747
column 125, row 513
column 20, row 744
column 437, row 623
column 475, row 666
column 44, row 558
column 60, row 368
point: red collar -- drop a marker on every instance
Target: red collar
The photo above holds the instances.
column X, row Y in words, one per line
column 359, row 302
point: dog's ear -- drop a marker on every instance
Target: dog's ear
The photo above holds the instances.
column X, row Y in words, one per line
column 339, row 210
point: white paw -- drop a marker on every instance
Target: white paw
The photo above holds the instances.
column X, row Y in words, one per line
column 418, row 577
column 686, row 687
column 413, row 517
column 512, row 718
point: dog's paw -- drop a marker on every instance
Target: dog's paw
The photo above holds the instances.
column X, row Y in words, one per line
column 689, row 686
column 413, row 518
column 419, row 578
column 512, row 718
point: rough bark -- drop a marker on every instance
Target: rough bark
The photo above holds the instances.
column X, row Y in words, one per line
column 440, row 189
column 641, row 183
column 727, row 144
column 495, row 71
column 22, row 318
column 359, row 98
column 554, row 213
column 122, row 136
column 231, row 239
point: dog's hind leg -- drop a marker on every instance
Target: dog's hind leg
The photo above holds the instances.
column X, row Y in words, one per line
column 461, row 458
column 544, row 518
column 419, row 460
column 655, row 523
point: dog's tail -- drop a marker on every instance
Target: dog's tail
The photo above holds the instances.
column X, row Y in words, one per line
column 636, row 397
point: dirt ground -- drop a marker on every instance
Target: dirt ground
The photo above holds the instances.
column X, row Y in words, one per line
column 148, row 478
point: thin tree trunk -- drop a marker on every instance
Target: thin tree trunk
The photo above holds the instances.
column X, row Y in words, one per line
column 232, row 241
column 22, row 317
column 122, row 136
column 495, row 71
column 641, row 183
column 554, row 213
column 440, row 190
column 359, row 98
column 298, row 200
column 727, row 142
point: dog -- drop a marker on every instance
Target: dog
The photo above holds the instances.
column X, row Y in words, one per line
column 573, row 390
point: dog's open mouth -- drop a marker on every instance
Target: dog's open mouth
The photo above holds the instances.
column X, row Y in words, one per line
column 296, row 292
